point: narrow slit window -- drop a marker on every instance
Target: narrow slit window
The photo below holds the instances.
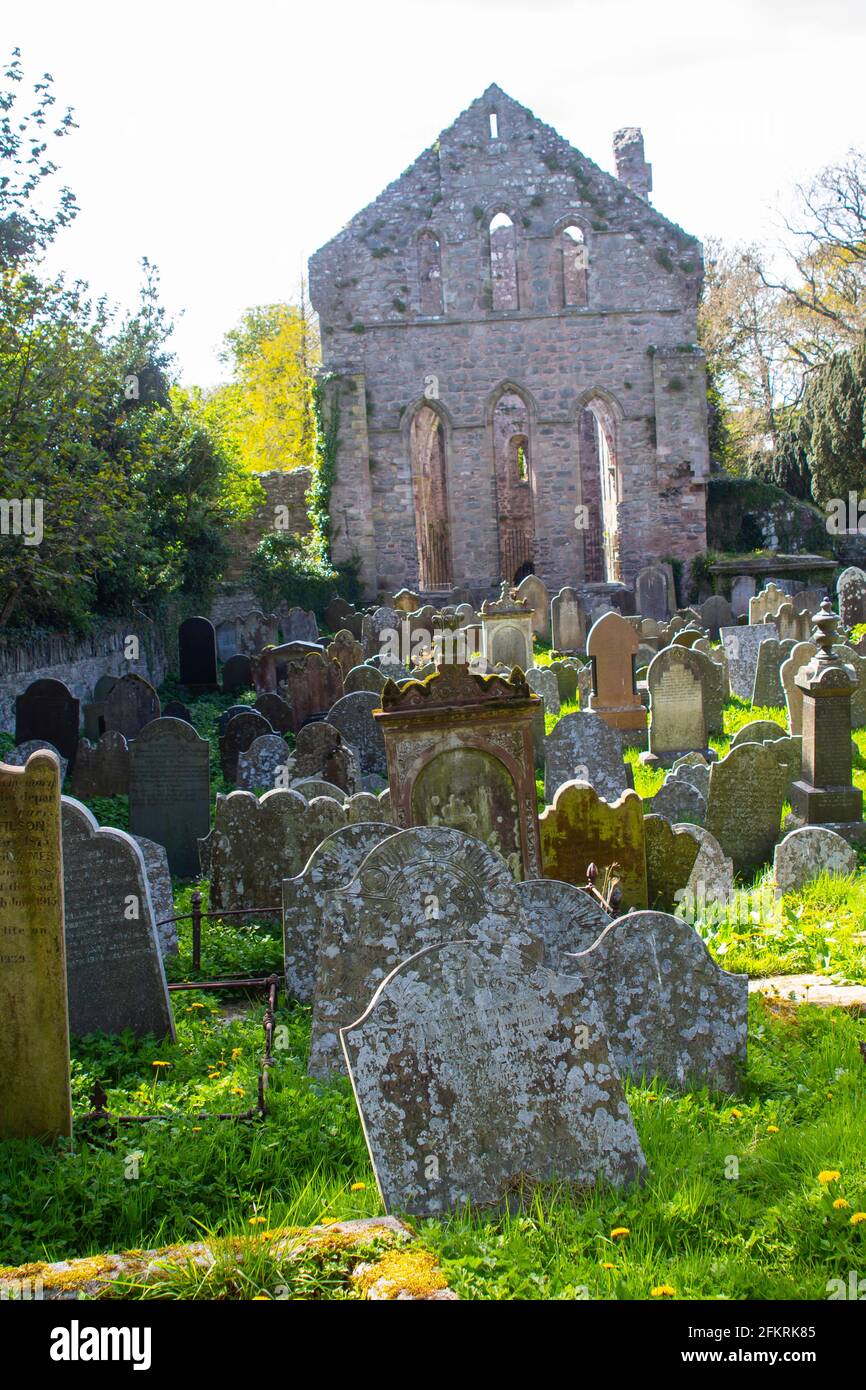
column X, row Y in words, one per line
column 573, row 248
column 503, row 262
column 494, row 126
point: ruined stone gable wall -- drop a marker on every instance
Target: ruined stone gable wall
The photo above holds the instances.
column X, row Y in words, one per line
column 623, row 350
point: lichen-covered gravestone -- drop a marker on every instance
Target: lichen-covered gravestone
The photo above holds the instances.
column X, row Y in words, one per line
column 581, row 828
column 741, row 649
column 757, row 731
column 332, row 864
column 851, row 592
column 808, row 852
column 161, row 895
column 129, row 706
column 668, row 1008
column 353, row 717
column 169, row 791
column 582, row 747
column 34, row 1028
column 113, row 961
column 677, row 721
column 277, row 711
column 18, row 756
column 670, row 858
column 265, row 764
column 321, row 751
column 542, row 681
column 102, row 769
column 479, row 1073
column 239, row 734
column 420, row 887
column 364, row 678
column 566, row 918
column 744, row 809
column 568, row 621
column 767, row 688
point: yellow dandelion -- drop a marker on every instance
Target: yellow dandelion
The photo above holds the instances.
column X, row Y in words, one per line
column 619, row 1231
column 828, row 1175
column 328, row 1220
column 829, row 1095
column 663, row 1291
column 260, row 1298
column 606, row 1264
column 236, row 1052
column 736, row 1114
column 840, row 1203
column 858, row 1217
column 357, row 1187
column 238, row 1091
column 258, row 1221
column 772, row 1129
column 160, row 1064
column 196, row 1006
column 213, row 1076
column 196, row 1129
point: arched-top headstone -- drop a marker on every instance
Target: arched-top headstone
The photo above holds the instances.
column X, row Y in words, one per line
column 197, row 652
column 48, row 711
column 131, row 704
column 169, row 791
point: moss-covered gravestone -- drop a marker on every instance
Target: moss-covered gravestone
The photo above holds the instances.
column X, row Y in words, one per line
column 34, row 1027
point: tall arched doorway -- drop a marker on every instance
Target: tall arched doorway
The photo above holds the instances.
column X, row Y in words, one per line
column 430, row 488
column 601, row 491
column 514, row 503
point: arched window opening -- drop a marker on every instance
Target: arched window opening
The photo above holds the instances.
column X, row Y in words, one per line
column 601, row 493
column 503, row 262
column 494, row 126
column 574, row 267
column 430, row 273
column 429, row 482
column 514, row 501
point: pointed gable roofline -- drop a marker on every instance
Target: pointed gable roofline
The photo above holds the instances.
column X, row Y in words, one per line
column 570, row 160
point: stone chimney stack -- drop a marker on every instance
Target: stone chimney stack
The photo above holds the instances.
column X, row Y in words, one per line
column 631, row 167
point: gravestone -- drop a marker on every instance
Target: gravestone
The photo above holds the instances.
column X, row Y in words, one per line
column 747, row 788
column 257, row 630
column 227, row 639
column 300, row 626
column 742, row 592
column 612, row 645
column 129, row 706
column 677, row 721
column 583, row 748
column 791, row 624
column 693, row 768
column 568, row 621
column 857, row 662
column 229, row 714
column 240, row 732
column 35, row 1095
column 418, row 888
column 457, row 1067
column 757, row 731
column 336, row 614
column 651, row 593
column 161, row 895
column 114, row 967
column 320, row 751
column 312, row 685
column 535, row 593
column 507, row 631
column 347, row 651
column 713, row 671
column 741, row 650
column 767, row 689
column 18, row 756
column 680, row 799
column 264, row 765
column 712, row 877
column 407, row 601
column 824, row 793
column 277, row 711
column 808, row 852
column 566, row 673
column 670, row 858
column 332, row 864
column 48, row 711
column 101, row 769
column 169, row 791
column 564, row 917
column 580, row 828
column 768, row 601
column 851, row 593
column 668, row 1008
column 197, row 654
column 237, row 674
column 542, row 681
column 716, row 613
column 312, row 787
column 175, row 710
column 352, row 716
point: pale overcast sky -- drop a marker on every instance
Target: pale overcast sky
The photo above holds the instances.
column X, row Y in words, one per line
column 227, row 141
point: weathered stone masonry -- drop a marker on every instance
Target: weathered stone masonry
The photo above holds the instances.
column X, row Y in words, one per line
column 472, row 436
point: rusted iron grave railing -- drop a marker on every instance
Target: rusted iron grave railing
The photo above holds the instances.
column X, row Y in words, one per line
column 100, row 1116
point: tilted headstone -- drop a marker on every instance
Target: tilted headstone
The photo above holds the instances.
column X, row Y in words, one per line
column 668, row 1008
column 677, row 721
column 49, row 712
column 767, row 689
column 741, row 649
column 17, row 757
column 768, row 601
column 808, row 852
column 35, row 1095
column 583, row 748
column 129, row 706
column 332, row 864
column 542, row 681
column 670, row 858
column 197, row 654
column 458, row 1067
column 851, row 593
column 264, row 765
column 353, row 717
column 169, row 791
column 581, row 828
column 101, row 769
column 114, row 966
column 237, row 674
column 747, row 788
column 564, row 917
column 161, row 894
column 420, row 887
column 568, row 621
column 239, row 734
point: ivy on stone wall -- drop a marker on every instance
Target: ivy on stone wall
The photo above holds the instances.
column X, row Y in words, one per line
column 327, row 440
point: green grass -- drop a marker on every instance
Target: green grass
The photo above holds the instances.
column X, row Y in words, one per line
column 772, row 1232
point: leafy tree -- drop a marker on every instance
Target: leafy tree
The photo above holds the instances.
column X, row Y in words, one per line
column 835, row 408
column 26, row 164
